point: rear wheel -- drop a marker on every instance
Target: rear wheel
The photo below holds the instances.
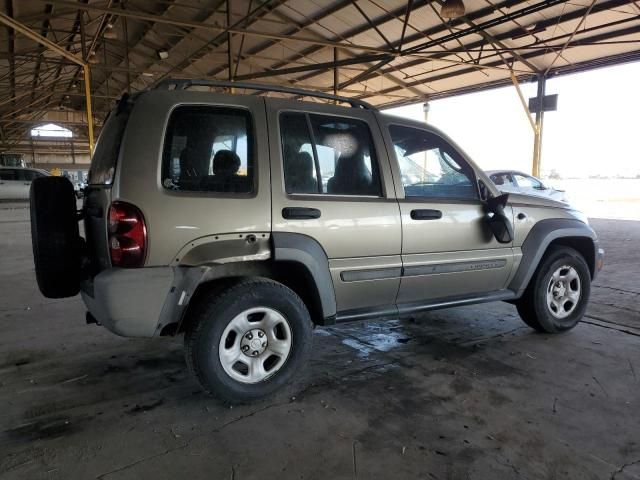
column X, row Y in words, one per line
column 558, row 293
column 249, row 340
column 57, row 245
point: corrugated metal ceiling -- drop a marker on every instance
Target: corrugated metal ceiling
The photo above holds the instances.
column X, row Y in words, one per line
column 388, row 52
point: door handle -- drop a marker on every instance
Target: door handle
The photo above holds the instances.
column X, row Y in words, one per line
column 426, row 214
column 27, row 183
column 300, row 213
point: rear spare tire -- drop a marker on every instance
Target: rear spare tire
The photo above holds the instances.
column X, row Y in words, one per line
column 55, row 237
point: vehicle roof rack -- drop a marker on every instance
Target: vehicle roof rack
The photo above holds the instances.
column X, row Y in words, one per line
column 184, row 83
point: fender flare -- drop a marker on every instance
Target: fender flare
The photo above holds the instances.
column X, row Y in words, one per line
column 290, row 247
column 303, row 249
column 538, row 240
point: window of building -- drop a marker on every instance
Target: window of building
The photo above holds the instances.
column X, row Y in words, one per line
column 51, row 130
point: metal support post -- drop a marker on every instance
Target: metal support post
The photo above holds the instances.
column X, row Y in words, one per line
column 336, row 79
column 537, row 137
column 87, row 94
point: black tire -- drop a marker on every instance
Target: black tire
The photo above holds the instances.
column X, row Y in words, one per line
column 57, row 245
column 211, row 317
column 533, row 307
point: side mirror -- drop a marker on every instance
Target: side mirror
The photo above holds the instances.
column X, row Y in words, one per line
column 497, row 221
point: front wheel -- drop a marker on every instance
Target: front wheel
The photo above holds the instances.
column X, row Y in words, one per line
column 248, row 340
column 557, row 296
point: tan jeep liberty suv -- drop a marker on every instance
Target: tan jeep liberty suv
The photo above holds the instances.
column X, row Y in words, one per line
column 246, row 220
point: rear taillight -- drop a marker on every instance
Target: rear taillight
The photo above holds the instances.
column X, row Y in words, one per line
column 127, row 235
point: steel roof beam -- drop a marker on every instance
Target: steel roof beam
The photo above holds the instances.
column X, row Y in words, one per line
column 206, row 26
column 544, row 23
column 298, row 28
column 11, row 38
column 528, row 55
column 399, row 12
column 265, row 8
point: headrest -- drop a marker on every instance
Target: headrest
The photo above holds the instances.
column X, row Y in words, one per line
column 305, row 163
column 226, row 163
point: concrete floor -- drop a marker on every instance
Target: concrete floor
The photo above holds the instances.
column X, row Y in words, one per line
column 466, row 393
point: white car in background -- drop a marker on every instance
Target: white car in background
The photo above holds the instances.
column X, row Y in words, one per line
column 512, row 181
column 15, row 182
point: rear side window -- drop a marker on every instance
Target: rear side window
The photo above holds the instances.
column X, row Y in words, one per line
column 327, row 154
column 28, row 175
column 105, row 156
column 209, row 149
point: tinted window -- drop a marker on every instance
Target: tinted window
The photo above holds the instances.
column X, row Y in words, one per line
column 6, row 174
column 336, row 157
column 105, row 155
column 27, row 175
column 208, row 149
column 429, row 166
column 300, row 172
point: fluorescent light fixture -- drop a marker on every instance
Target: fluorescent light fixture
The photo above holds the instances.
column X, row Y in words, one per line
column 51, row 130
column 452, row 9
column 148, row 74
column 109, row 32
column 163, row 54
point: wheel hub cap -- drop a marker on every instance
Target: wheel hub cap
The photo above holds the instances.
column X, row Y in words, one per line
column 255, row 344
column 564, row 291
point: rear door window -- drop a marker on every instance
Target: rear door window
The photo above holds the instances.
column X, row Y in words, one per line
column 327, row 154
column 209, row 149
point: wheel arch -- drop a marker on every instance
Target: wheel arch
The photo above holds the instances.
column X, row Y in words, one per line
column 297, row 261
column 293, row 275
column 554, row 232
column 585, row 246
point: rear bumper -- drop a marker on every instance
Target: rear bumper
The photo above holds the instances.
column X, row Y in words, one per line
column 129, row 302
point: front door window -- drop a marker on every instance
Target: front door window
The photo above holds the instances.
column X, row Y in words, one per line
column 430, row 167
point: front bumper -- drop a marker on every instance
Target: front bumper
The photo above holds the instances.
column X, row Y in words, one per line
column 599, row 261
column 129, row 302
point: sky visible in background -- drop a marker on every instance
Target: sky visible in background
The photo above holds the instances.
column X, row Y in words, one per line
column 594, row 132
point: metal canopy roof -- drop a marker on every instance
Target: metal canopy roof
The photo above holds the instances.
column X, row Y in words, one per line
column 387, row 52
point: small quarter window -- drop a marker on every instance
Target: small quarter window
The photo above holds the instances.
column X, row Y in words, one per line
column 105, row 156
column 209, row 149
